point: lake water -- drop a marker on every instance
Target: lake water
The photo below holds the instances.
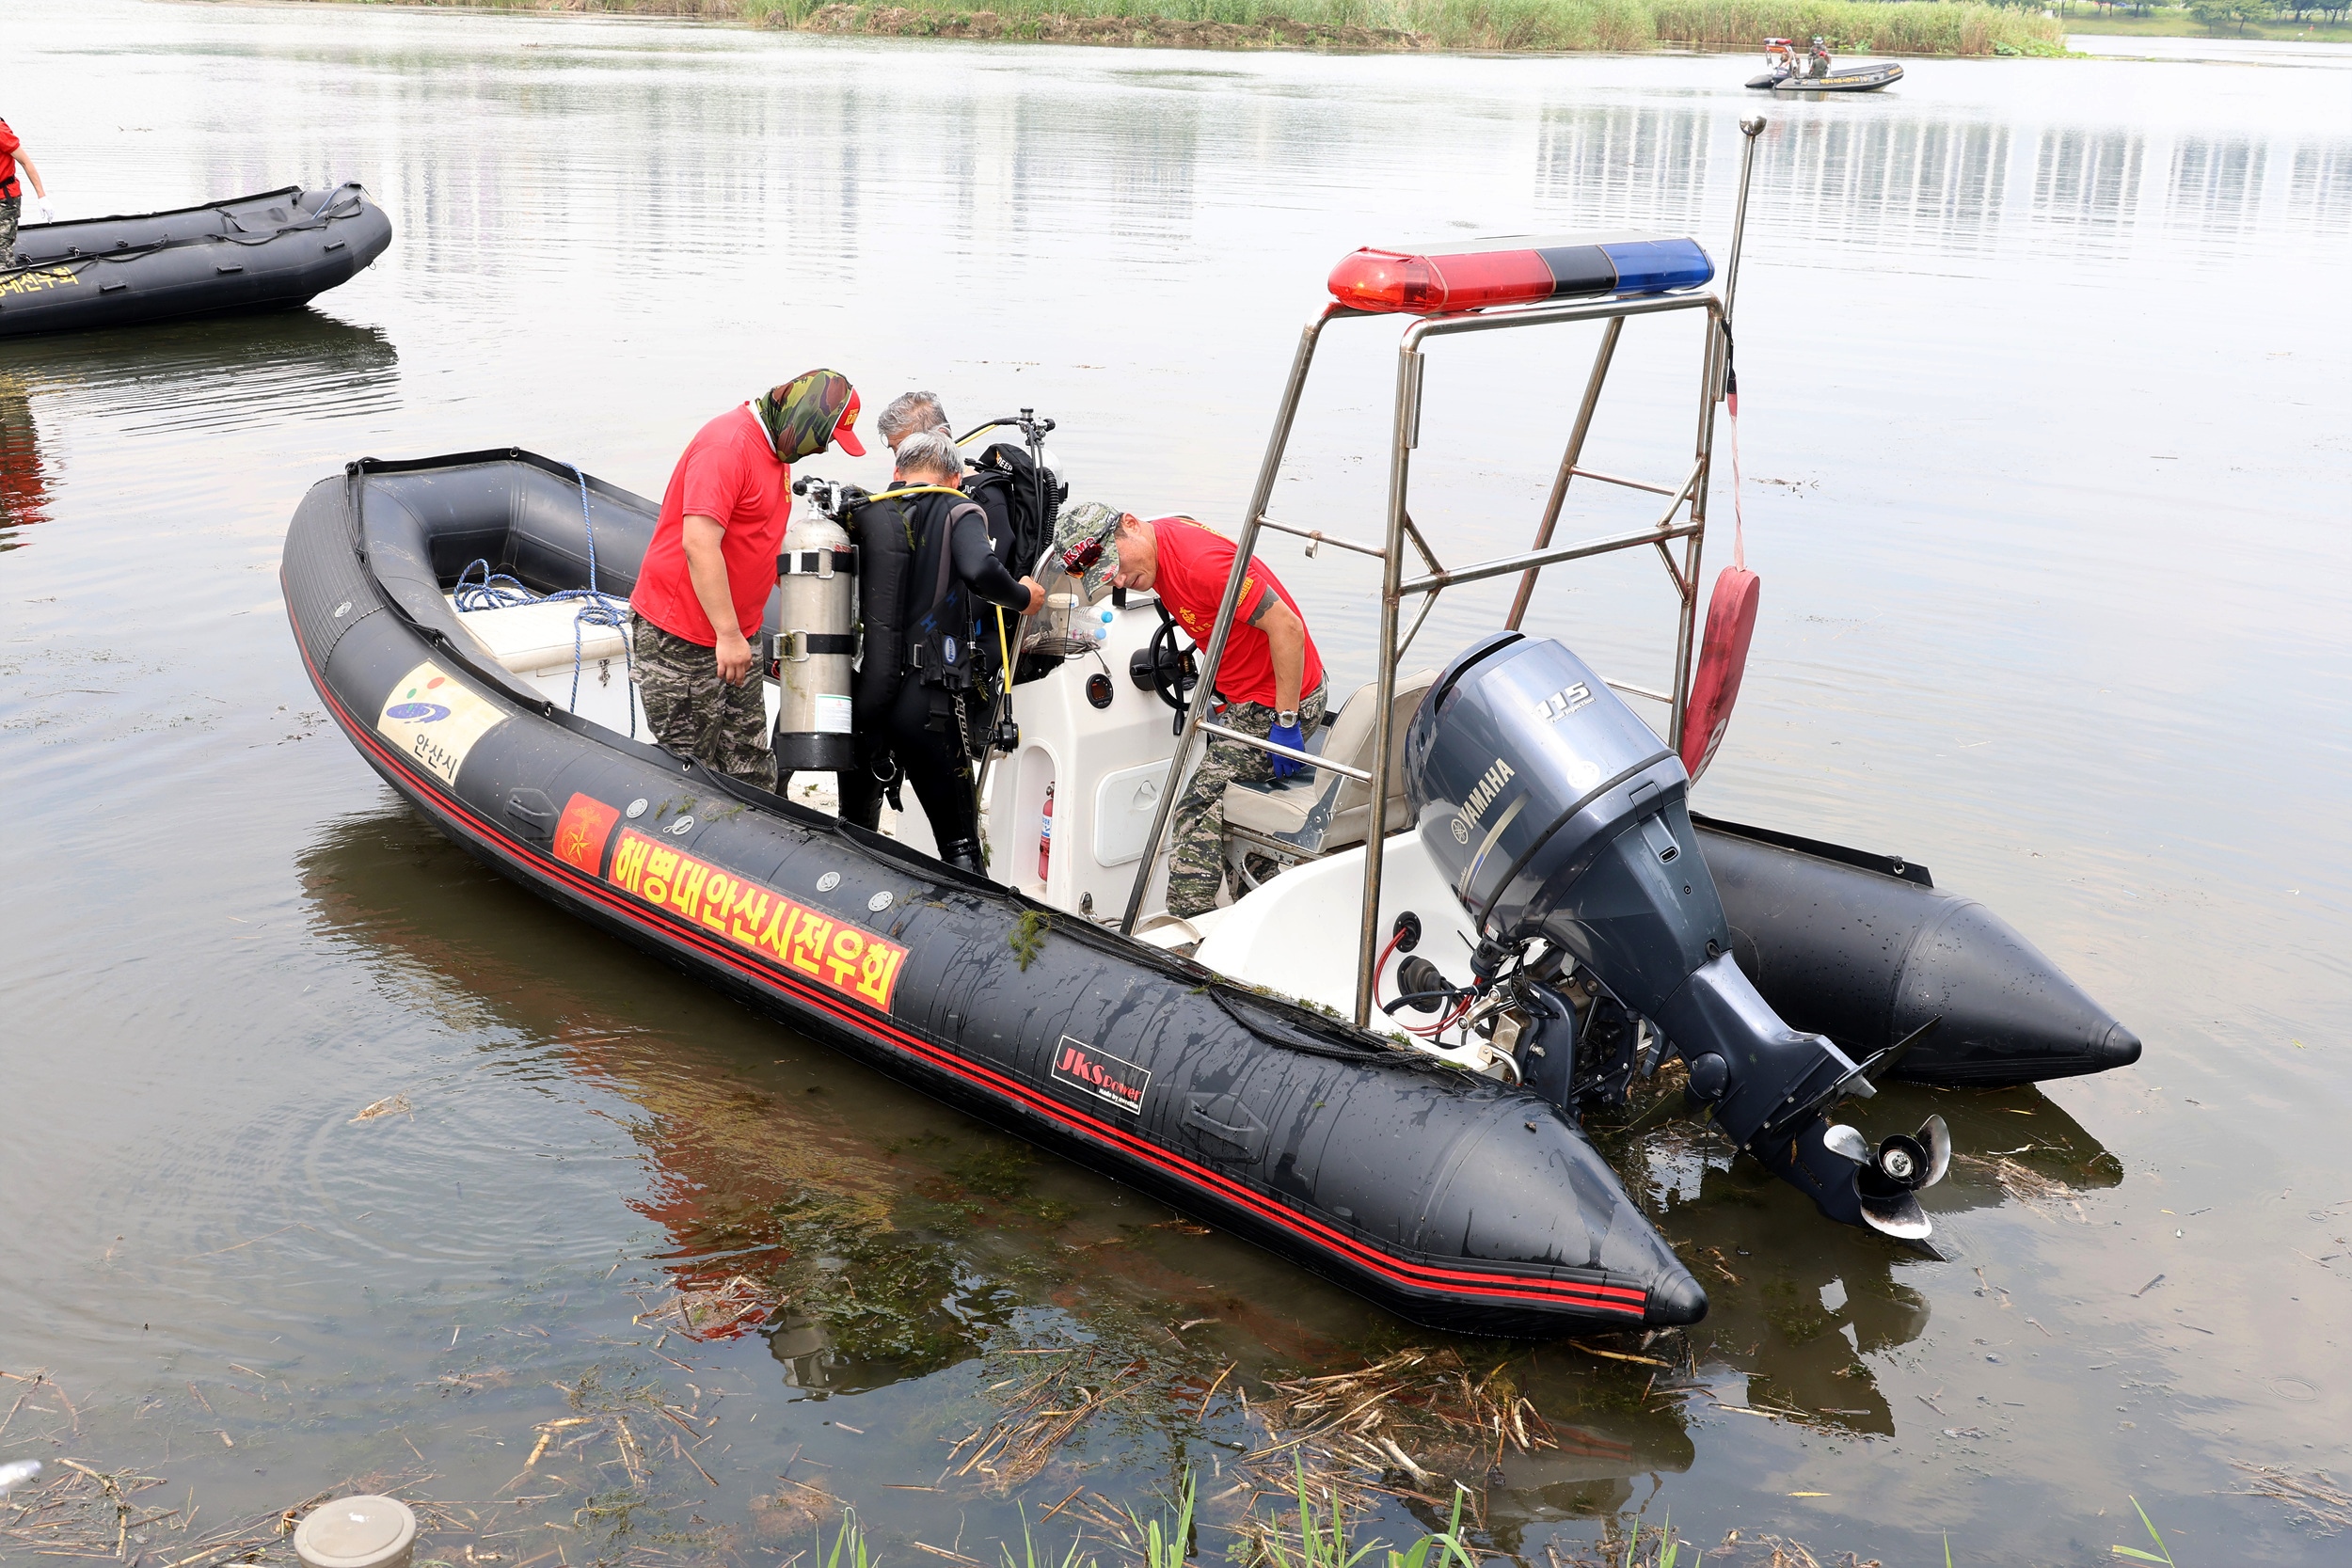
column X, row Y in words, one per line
column 2045, row 430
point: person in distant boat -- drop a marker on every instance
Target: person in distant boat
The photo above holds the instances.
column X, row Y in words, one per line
column 702, row 595
column 1271, row 682
column 955, row 570
column 12, row 192
column 1819, row 65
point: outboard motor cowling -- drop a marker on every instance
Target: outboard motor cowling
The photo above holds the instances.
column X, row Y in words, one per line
column 1558, row 814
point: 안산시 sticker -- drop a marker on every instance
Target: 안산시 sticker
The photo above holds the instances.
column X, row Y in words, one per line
column 433, row 720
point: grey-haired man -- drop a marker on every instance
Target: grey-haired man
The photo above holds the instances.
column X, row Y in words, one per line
column 909, row 414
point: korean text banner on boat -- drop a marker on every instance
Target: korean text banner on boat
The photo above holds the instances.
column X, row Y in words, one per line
column 1518, row 269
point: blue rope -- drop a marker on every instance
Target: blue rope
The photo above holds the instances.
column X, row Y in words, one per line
column 496, row 590
column 602, row 609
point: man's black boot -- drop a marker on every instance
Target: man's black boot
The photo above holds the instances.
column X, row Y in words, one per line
column 965, row 855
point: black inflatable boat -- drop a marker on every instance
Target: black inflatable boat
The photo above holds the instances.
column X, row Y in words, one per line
column 1844, row 78
column 1463, row 1201
column 256, row 253
column 1263, row 1118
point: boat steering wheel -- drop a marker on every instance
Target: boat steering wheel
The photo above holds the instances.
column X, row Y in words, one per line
column 1167, row 668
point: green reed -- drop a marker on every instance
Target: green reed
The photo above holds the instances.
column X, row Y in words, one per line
column 1531, row 26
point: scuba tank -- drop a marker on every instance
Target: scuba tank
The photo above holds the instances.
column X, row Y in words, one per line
column 818, row 573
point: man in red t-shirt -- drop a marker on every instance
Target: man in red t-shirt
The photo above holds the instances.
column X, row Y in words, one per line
column 1271, row 680
column 702, row 592
column 12, row 193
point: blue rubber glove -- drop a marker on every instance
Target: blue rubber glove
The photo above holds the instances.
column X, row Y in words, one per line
column 1286, row 734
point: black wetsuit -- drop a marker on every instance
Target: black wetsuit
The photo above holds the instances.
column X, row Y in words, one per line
column 922, row 726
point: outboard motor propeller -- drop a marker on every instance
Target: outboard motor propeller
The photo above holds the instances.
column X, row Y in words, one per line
column 1558, row 815
column 1891, row 1173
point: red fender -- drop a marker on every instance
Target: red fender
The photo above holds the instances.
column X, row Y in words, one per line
column 1723, row 660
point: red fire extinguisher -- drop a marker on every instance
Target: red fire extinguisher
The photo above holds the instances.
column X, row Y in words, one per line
column 1046, row 836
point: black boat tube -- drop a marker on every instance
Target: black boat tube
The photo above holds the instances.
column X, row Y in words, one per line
column 1864, row 949
column 1448, row 1198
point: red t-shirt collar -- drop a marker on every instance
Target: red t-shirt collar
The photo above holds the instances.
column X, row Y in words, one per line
column 751, row 409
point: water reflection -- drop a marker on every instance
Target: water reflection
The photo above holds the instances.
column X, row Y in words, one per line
column 2087, row 178
column 1955, row 188
column 1797, row 1305
column 24, row 484
column 1610, row 166
column 211, row 374
column 2216, row 181
column 1908, row 184
column 755, row 1159
column 2322, row 185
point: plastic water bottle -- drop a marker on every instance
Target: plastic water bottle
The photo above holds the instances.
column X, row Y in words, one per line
column 1046, row 836
column 1102, row 626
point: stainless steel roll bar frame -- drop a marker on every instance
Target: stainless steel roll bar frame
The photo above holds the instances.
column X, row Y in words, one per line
column 1405, row 436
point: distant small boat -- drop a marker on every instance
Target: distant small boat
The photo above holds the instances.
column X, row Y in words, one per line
column 1795, row 71
column 253, row 253
column 1854, row 78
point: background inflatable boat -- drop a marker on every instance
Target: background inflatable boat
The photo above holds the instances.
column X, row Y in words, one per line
column 1844, row 78
column 257, row 252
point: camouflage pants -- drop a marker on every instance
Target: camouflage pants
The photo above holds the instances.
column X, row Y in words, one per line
column 1197, row 831
column 696, row 714
column 11, row 210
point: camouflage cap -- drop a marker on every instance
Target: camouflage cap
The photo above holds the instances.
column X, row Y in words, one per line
column 816, row 410
column 1079, row 524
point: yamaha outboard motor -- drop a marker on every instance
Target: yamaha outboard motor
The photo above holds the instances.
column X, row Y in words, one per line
column 1558, row 815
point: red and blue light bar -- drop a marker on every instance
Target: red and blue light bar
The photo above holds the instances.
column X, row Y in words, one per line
column 1518, row 270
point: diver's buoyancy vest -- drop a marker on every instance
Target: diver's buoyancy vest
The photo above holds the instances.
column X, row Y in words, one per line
column 939, row 604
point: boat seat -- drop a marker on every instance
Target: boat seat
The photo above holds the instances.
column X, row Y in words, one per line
column 1313, row 812
column 546, row 634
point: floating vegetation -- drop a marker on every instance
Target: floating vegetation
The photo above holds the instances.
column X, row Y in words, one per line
column 83, row 1512
column 2020, row 1182
column 1040, row 1413
column 1338, row 1440
column 2317, row 1500
column 1427, row 1397
column 734, row 1306
column 604, row 1412
column 390, row 1105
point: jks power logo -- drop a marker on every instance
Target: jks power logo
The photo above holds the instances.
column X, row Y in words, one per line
column 1101, row 1074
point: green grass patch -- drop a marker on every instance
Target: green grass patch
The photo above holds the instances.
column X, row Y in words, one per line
column 1859, row 26
column 2223, row 21
column 1527, row 26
